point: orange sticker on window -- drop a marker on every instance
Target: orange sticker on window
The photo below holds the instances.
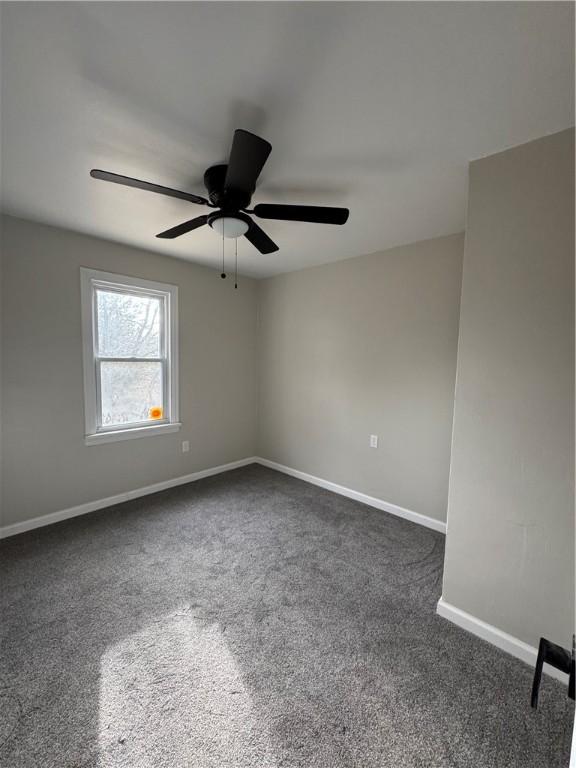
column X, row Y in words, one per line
column 156, row 412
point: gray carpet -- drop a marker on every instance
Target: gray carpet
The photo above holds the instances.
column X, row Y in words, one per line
column 251, row 619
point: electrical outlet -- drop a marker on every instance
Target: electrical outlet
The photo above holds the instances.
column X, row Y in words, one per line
column 185, row 446
column 373, row 441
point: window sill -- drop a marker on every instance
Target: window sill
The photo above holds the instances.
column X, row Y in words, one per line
column 131, row 434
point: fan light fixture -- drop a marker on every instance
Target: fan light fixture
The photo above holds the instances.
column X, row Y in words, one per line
column 230, row 188
column 229, row 226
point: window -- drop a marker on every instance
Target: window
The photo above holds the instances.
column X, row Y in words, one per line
column 130, row 357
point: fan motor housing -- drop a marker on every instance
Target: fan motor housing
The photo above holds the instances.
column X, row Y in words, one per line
column 227, row 199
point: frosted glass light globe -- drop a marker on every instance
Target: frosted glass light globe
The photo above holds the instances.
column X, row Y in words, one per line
column 229, row 226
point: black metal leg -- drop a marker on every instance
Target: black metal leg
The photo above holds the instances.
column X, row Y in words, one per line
column 538, row 673
column 557, row 657
column 572, row 680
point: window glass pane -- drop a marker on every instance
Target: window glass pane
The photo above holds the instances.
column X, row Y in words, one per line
column 131, row 392
column 128, row 325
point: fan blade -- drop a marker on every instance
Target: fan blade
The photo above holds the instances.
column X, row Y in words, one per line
column 247, row 158
column 181, row 229
column 315, row 214
column 127, row 181
column 260, row 239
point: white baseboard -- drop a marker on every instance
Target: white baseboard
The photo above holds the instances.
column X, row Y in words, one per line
column 371, row 501
column 92, row 506
column 495, row 636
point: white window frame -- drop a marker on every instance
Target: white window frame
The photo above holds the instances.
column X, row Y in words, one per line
column 91, row 280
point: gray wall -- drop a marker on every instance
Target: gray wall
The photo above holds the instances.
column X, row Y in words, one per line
column 510, row 543
column 46, row 466
column 365, row 346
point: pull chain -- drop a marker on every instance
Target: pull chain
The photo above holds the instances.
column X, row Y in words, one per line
column 236, row 263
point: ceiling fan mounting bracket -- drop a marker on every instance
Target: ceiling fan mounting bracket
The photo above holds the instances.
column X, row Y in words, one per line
column 226, row 198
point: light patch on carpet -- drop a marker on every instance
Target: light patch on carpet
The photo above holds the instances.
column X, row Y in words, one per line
column 172, row 694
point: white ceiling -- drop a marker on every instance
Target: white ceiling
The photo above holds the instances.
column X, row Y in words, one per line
column 374, row 106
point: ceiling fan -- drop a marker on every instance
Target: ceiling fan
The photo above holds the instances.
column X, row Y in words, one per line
column 230, row 189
